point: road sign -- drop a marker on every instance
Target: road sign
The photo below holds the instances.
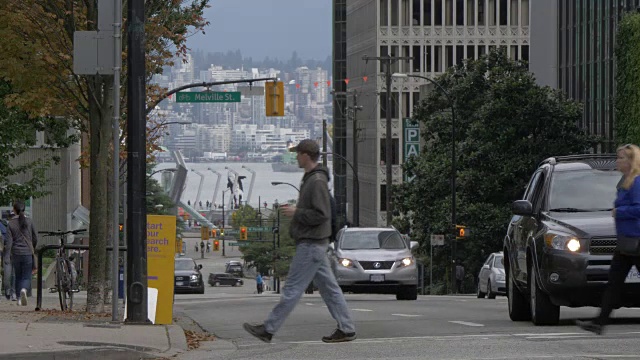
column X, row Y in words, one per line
column 410, row 140
column 207, row 96
column 231, row 232
column 259, row 229
column 437, row 240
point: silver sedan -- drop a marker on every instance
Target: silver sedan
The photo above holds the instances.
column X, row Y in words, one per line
column 491, row 279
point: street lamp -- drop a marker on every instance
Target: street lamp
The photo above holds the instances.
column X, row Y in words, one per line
column 275, row 183
column 356, row 191
column 453, row 158
column 223, row 222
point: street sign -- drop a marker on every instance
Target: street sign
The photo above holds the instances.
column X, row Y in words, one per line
column 207, row 96
column 259, row 229
column 410, row 140
column 437, row 240
column 251, row 90
column 231, row 232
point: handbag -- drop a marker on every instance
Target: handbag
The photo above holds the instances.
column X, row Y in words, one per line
column 34, row 265
column 628, row 245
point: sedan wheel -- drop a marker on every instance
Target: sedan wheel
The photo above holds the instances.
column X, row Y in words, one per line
column 490, row 293
column 479, row 292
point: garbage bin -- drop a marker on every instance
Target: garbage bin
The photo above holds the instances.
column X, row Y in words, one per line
column 121, row 282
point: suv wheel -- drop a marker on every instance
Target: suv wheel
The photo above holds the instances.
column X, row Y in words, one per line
column 408, row 293
column 479, row 293
column 519, row 310
column 490, row 293
column 543, row 311
column 217, row 283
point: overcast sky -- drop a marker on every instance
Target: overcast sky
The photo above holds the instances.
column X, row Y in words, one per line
column 273, row 28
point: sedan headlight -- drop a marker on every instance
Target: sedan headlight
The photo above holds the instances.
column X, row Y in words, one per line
column 406, row 261
column 562, row 242
column 500, row 277
column 194, row 277
column 346, row 262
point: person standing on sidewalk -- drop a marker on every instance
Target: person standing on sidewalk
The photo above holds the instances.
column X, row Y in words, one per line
column 259, row 283
column 311, row 229
column 21, row 242
column 626, row 213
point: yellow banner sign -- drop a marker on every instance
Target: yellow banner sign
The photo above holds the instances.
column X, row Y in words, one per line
column 161, row 249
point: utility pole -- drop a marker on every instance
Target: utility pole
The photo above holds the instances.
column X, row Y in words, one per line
column 136, row 166
column 115, row 254
column 356, row 187
column 324, row 141
column 387, row 61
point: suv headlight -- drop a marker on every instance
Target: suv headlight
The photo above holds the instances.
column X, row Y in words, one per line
column 346, row 262
column 562, row 242
column 194, row 277
column 406, row 262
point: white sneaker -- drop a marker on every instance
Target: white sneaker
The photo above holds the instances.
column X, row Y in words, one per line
column 23, row 297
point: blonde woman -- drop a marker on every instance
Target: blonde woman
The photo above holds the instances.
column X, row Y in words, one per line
column 627, row 216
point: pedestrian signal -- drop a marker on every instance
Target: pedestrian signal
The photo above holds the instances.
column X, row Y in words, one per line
column 216, row 245
column 243, row 233
column 214, row 233
column 204, row 233
column 462, row 232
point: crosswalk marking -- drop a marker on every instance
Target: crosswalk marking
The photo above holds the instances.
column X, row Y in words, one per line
column 361, row 310
column 406, row 315
column 466, row 323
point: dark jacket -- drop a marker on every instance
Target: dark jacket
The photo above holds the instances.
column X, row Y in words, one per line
column 312, row 219
column 15, row 242
column 628, row 210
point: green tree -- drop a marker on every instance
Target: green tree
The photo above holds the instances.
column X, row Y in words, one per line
column 627, row 101
column 17, row 135
column 505, row 125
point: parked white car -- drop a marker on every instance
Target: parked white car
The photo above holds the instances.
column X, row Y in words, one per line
column 491, row 279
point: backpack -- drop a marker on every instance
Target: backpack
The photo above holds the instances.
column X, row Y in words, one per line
column 334, row 218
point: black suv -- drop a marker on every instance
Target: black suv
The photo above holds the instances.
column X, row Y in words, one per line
column 561, row 239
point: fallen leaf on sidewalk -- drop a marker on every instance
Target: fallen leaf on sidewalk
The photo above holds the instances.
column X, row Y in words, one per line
column 194, row 338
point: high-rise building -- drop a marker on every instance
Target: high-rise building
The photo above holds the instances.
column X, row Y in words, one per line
column 436, row 34
column 573, row 49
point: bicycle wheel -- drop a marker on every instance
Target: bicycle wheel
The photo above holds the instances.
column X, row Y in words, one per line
column 62, row 284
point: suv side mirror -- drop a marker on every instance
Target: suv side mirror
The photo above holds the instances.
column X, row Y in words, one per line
column 522, row 208
column 331, row 246
column 199, row 266
column 413, row 244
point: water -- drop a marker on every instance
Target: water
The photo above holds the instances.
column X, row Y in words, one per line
column 262, row 187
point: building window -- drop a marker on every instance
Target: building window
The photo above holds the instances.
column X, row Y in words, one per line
column 503, row 12
column 394, row 151
column 525, row 52
column 415, row 13
column 427, row 12
column 383, row 105
column 493, row 12
column 384, row 13
column 437, row 12
column 470, row 12
column 383, row 197
column 471, row 52
column 481, row 12
column 514, row 12
column 448, row 12
column 394, row 12
column 417, row 56
column 406, row 13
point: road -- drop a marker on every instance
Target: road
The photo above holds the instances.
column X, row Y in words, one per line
column 433, row 327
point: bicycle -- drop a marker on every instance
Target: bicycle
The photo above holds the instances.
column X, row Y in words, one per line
column 65, row 281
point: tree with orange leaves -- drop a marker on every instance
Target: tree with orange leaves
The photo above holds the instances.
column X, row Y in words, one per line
column 36, row 40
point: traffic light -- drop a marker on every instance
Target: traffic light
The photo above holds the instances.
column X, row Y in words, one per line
column 462, row 232
column 274, row 98
column 222, row 232
column 216, row 245
column 243, row 233
column 214, row 233
column 204, row 233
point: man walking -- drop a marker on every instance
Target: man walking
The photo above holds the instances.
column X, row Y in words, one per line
column 311, row 229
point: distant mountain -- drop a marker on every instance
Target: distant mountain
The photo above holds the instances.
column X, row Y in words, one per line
column 234, row 60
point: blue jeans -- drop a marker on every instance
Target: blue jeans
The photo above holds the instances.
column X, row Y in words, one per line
column 22, row 266
column 310, row 263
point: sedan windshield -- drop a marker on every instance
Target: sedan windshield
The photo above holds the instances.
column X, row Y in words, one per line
column 372, row 239
column 583, row 190
column 185, row 265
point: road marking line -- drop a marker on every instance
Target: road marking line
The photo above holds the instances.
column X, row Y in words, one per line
column 406, row 315
column 310, row 304
column 361, row 310
column 399, row 339
column 466, row 323
column 548, row 334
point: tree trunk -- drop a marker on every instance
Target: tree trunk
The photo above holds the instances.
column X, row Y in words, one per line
column 100, row 135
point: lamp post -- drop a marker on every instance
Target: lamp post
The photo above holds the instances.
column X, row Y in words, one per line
column 253, row 179
column 453, row 164
column 356, row 191
column 223, row 223
column 275, row 183
column 199, row 188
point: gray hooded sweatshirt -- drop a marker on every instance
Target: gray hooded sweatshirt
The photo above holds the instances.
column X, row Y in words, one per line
column 312, row 219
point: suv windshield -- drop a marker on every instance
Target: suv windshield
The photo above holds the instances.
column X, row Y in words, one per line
column 372, row 239
column 583, row 190
column 185, row 265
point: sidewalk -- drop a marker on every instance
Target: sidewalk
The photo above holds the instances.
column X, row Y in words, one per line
column 52, row 334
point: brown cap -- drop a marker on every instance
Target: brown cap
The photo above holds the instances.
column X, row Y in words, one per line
column 306, row 146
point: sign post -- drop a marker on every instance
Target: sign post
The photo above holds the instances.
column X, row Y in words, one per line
column 436, row 240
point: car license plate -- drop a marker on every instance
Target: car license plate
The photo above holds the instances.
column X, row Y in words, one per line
column 633, row 276
column 377, row 278
column 179, row 283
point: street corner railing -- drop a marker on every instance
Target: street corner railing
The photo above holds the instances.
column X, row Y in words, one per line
column 41, row 251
